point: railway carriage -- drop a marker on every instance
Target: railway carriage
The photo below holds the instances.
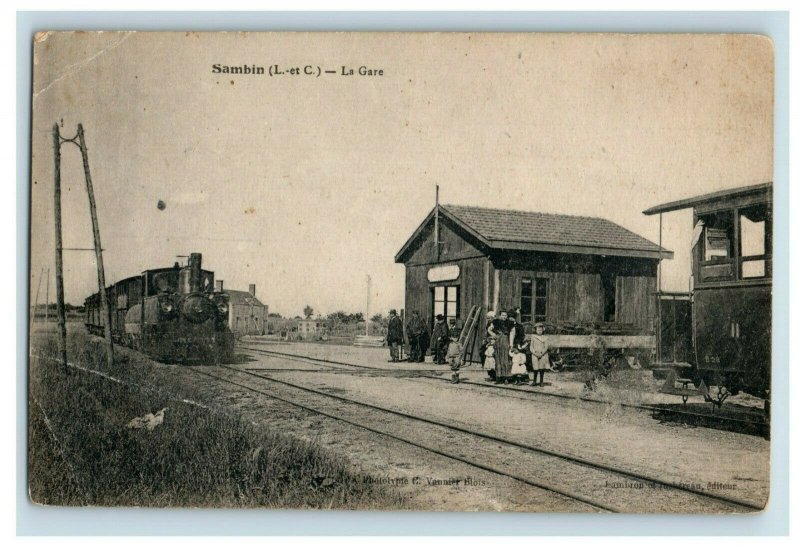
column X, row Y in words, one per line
column 732, row 287
column 171, row 314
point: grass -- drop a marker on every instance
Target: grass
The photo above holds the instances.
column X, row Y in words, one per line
column 81, row 452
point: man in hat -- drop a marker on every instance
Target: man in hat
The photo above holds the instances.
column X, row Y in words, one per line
column 440, row 338
column 416, row 329
column 394, row 336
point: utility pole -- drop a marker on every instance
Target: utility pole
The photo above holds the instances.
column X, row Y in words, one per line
column 98, row 249
column 659, row 332
column 35, row 303
column 47, row 299
column 436, row 225
column 62, row 324
column 369, row 290
column 80, row 142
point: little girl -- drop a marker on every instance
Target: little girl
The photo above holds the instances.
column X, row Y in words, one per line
column 489, row 364
column 541, row 354
column 519, row 373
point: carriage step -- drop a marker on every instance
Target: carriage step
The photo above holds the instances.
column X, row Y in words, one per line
column 684, row 392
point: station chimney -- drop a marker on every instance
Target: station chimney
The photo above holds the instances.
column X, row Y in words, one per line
column 252, row 289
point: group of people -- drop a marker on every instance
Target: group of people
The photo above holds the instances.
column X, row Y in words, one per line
column 419, row 338
column 509, row 355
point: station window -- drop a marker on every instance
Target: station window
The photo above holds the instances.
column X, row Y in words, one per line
column 540, row 310
column 609, row 283
column 533, row 299
column 526, row 302
column 445, row 302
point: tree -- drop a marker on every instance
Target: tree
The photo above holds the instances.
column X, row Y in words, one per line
column 308, row 311
column 344, row 317
column 377, row 318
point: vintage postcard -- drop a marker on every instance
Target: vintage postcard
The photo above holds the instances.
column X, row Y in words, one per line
column 401, row 271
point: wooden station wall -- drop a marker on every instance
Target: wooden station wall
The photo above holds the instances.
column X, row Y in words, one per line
column 575, row 292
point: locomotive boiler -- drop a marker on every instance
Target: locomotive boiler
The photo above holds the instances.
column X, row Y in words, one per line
column 172, row 314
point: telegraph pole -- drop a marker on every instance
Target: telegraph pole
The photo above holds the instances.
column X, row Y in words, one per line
column 80, row 142
column 98, row 249
column 47, row 299
column 35, row 303
column 436, row 225
column 369, row 290
column 62, row 322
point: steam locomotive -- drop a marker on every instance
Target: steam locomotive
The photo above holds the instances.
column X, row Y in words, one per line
column 732, row 287
column 172, row 314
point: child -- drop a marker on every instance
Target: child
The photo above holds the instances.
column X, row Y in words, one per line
column 454, row 358
column 518, row 371
column 541, row 354
column 489, row 363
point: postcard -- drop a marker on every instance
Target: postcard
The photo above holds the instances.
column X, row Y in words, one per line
column 524, row 272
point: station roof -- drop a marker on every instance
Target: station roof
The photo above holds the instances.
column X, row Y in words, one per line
column 242, row 298
column 533, row 231
column 721, row 195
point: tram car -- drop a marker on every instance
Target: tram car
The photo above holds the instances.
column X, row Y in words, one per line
column 172, row 315
column 731, row 287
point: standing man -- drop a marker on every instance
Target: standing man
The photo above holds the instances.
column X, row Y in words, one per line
column 440, row 339
column 415, row 330
column 394, row 336
column 424, row 340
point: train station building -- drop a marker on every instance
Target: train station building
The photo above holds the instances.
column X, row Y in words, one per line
column 562, row 270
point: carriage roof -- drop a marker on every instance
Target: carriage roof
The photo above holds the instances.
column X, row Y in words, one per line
column 731, row 195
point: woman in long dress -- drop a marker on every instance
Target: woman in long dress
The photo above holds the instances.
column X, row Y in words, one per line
column 487, row 347
column 500, row 329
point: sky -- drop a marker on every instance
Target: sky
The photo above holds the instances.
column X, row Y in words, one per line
column 305, row 185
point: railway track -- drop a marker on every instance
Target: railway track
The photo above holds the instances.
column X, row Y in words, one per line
column 664, row 413
column 598, row 486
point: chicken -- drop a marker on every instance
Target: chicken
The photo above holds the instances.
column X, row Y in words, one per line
column 148, row 421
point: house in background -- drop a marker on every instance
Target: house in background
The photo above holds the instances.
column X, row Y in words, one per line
column 310, row 328
column 246, row 313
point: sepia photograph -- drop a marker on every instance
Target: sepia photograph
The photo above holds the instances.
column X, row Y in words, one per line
column 401, row 271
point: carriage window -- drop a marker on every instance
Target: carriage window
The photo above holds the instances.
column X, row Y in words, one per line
column 753, row 240
column 718, row 236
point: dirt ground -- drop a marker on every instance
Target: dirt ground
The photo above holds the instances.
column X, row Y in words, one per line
column 727, row 463
column 622, row 437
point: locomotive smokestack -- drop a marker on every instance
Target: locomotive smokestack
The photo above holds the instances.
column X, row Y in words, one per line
column 218, row 285
column 195, row 276
column 252, row 289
